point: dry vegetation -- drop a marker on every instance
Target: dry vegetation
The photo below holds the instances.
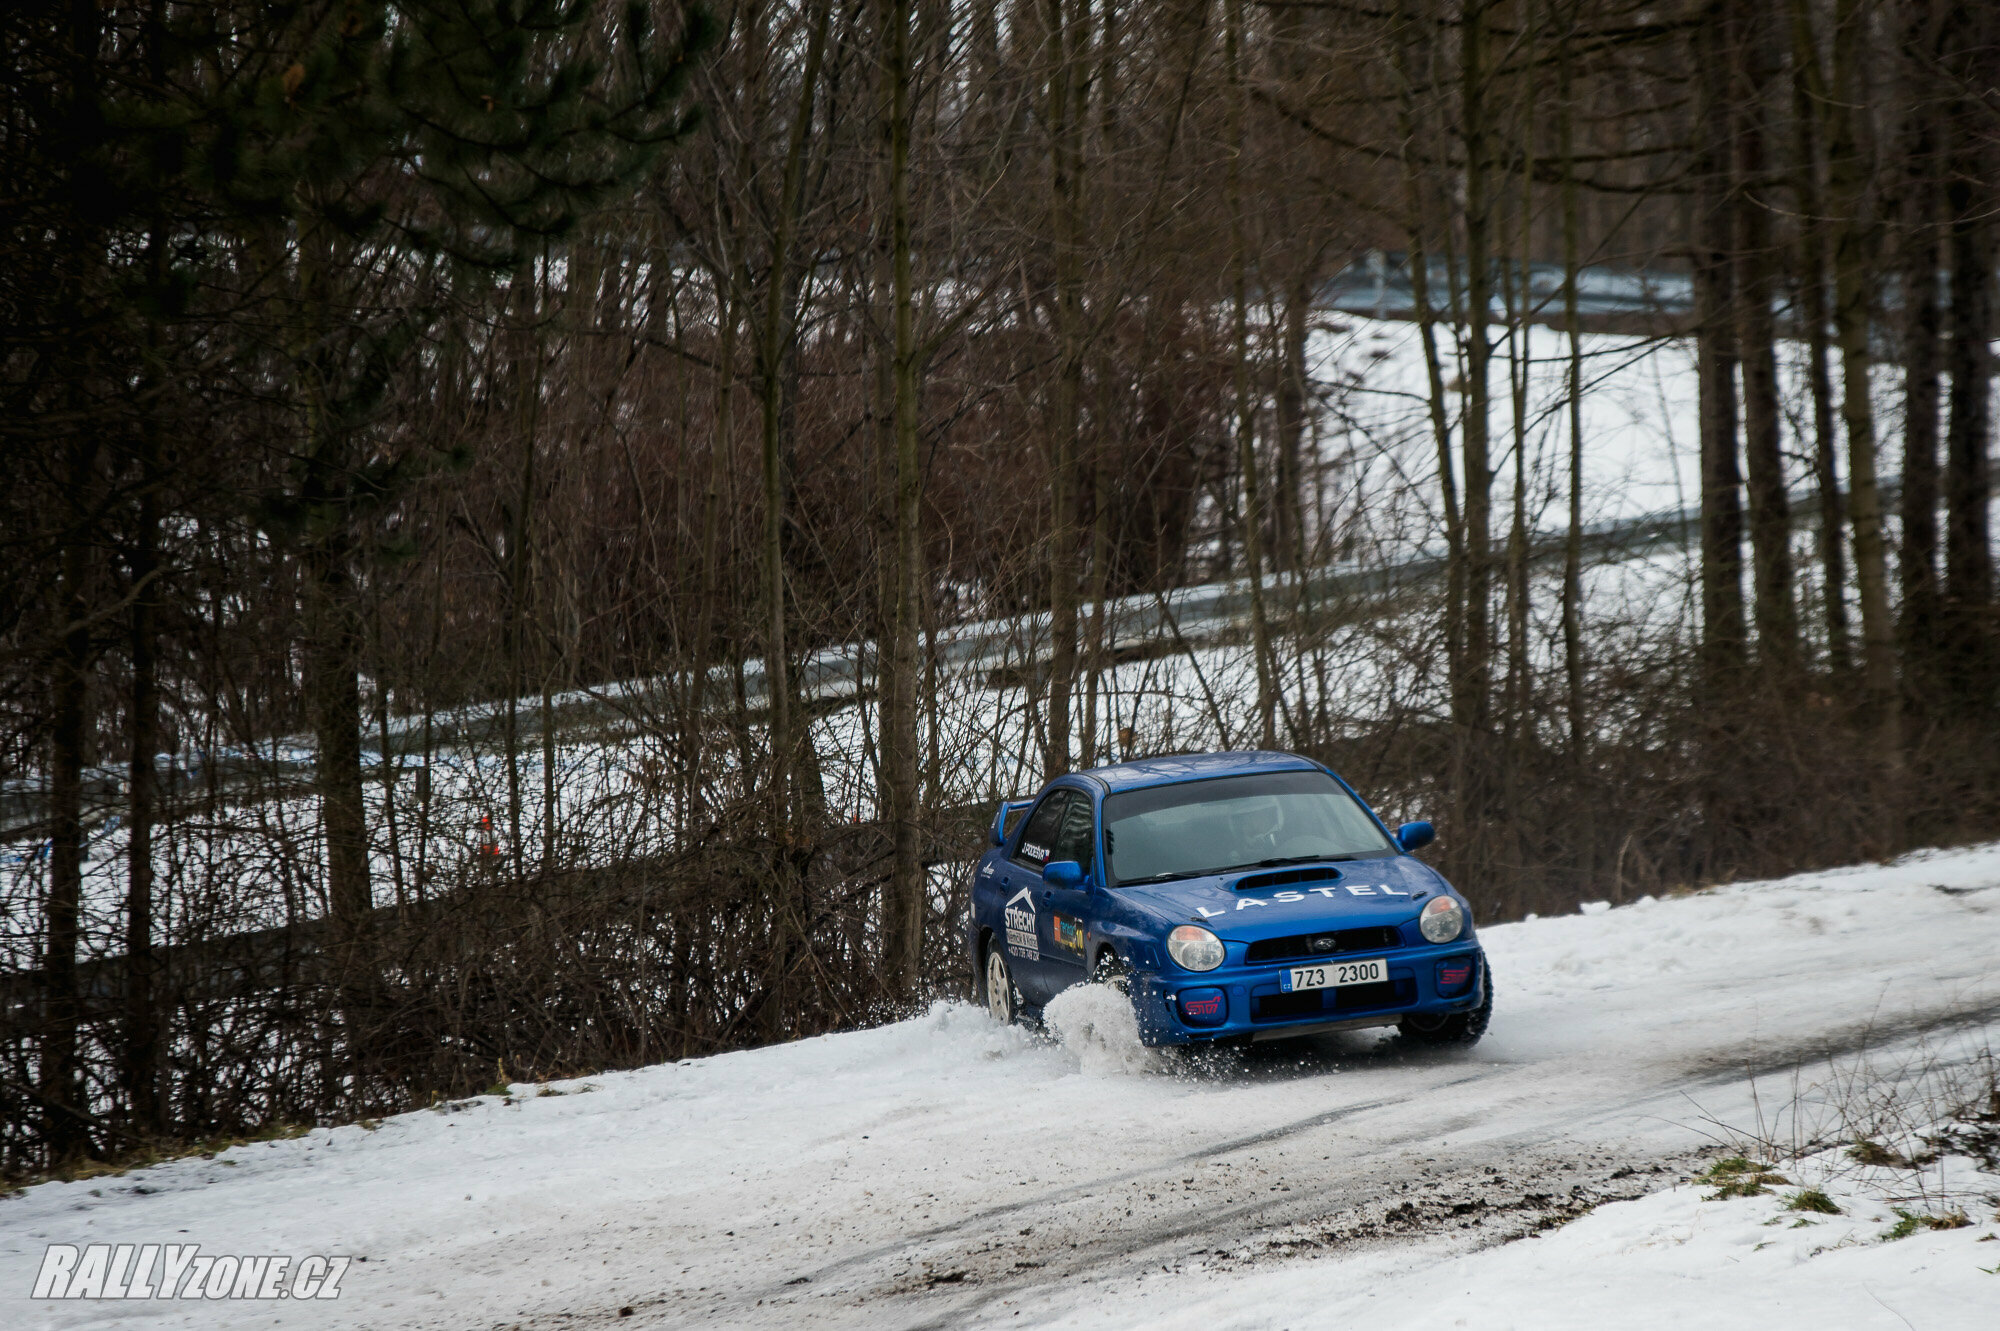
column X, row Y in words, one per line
column 356, row 372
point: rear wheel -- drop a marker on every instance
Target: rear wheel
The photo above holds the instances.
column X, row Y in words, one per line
column 1003, row 1000
column 1454, row 1028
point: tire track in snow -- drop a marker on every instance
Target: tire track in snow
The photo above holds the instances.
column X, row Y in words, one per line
column 1369, row 1183
column 1046, row 1200
column 1107, row 1227
column 1355, row 1201
column 1112, row 1245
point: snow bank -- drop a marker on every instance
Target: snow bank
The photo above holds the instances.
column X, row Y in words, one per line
column 1679, row 1258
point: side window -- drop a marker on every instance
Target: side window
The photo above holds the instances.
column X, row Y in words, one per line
column 1044, row 825
column 1074, row 839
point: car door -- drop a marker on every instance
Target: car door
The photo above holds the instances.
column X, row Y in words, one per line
column 1066, row 912
column 1023, row 909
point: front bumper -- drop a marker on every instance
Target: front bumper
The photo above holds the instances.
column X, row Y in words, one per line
column 1258, row 1010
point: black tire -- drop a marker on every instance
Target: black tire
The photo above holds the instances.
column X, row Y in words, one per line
column 1457, row 1028
column 997, row 991
column 1112, row 970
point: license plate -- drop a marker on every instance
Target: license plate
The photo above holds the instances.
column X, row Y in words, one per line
column 1333, row 974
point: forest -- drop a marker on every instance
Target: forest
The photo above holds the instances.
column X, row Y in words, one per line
column 536, row 532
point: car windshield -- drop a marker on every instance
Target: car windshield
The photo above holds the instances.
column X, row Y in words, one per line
column 1235, row 822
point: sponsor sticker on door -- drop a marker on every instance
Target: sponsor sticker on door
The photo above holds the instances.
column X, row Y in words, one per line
column 1019, row 915
column 1068, row 933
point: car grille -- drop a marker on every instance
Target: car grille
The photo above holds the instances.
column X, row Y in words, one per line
column 1374, row 938
column 1319, row 1002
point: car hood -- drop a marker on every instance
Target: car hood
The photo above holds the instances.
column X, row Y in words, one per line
column 1353, row 892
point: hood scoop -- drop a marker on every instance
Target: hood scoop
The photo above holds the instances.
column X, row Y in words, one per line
column 1311, row 873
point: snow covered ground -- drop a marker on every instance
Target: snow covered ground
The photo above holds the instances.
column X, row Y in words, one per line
column 1674, row 1258
column 946, row 1172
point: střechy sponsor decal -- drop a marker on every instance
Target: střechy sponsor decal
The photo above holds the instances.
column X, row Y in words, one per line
column 1019, row 914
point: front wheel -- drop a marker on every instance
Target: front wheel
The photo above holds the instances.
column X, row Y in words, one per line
column 1111, row 970
column 1455, row 1028
column 1003, row 1000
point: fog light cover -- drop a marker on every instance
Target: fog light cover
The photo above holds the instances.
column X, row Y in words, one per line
column 1454, row 976
column 1204, row 1007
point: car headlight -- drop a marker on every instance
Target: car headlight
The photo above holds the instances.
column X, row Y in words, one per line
column 1443, row 919
column 1194, row 948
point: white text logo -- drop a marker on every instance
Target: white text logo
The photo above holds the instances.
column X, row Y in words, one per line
column 182, row 1271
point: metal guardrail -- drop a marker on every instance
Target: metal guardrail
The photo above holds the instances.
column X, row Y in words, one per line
column 992, row 651
column 1639, row 300
column 1378, row 285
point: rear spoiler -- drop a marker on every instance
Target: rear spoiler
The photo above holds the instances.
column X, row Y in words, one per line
column 1003, row 819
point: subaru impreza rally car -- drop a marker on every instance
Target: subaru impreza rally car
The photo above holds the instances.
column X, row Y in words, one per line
column 1234, row 896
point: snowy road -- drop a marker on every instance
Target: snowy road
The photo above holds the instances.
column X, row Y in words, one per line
column 944, row 1172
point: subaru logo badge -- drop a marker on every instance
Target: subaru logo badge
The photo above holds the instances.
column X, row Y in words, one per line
column 1324, row 943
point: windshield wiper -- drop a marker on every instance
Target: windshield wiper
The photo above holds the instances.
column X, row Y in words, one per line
column 1282, row 860
column 1212, row 872
column 1161, row 878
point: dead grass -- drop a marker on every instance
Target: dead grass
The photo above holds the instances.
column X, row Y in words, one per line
column 1812, row 1199
column 1739, row 1176
column 149, row 1154
column 1863, row 1114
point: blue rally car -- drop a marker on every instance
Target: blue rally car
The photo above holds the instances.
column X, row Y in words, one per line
column 1236, row 896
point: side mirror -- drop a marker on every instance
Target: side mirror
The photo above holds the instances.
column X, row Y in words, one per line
column 1415, row 836
column 1062, row 873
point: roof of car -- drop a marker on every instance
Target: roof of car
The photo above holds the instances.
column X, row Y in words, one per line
column 1193, row 767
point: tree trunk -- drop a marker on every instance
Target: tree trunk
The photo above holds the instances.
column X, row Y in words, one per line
column 332, row 652
column 1968, row 487
column 142, row 1034
column 1473, row 686
column 1770, row 512
column 1252, row 510
column 1289, row 410
column 904, row 934
column 694, row 727
column 1520, row 356
column 1572, row 594
column 772, row 359
column 1407, row 129
column 1714, row 293
column 1808, row 106
column 1854, row 262
column 1098, row 583
column 1572, row 584
column 60, row 1080
column 520, row 563
column 331, row 649
column 1065, row 225
column 1917, row 562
